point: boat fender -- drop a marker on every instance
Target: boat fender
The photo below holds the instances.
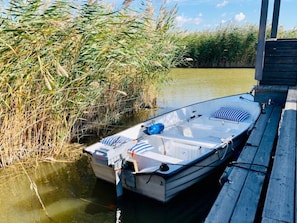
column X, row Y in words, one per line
column 164, row 167
column 155, row 129
column 225, row 176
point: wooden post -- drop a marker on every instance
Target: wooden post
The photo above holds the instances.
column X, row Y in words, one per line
column 261, row 41
column 275, row 18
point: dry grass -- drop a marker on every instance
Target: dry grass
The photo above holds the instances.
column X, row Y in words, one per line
column 66, row 71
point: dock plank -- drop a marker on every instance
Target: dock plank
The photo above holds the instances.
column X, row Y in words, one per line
column 225, row 203
column 256, row 134
column 226, row 206
column 281, row 186
column 247, row 198
column 247, row 204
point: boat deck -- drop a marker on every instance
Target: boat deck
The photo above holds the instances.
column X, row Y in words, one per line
column 261, row 186
column 206, row 132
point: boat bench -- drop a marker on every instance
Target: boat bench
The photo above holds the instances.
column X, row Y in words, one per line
column 209, row 142
column 160, row 157
column 149, row 159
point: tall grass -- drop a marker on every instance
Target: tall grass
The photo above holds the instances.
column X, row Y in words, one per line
column 227, row 46
column 67, row 70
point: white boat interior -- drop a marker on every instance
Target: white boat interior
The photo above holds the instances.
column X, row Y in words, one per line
column 185, row 142
column 189, row 133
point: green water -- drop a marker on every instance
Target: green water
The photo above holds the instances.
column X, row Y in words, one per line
column 191, row 85
column 71, row 193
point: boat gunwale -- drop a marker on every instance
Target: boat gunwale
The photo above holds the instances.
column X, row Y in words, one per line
column 191, row 163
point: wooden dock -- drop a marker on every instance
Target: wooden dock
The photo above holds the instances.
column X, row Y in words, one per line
column 261, row 186
column 280, row 200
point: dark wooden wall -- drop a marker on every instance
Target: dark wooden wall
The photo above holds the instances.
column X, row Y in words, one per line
column 280, row 62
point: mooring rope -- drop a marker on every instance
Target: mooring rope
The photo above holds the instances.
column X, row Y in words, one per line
column 249, row 168
column 226, row 143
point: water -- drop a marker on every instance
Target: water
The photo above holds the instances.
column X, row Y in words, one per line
column 71, row 193
column 191, row 85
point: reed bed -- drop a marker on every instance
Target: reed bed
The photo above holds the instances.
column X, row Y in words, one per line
column 68, row 70
column 227, row 46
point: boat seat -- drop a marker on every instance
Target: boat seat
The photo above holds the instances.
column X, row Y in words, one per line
column 207, row 142
column 140, row 147
column 115, row 140
column 160, row 157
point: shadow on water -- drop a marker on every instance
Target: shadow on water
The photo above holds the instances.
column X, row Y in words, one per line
column 191, row 205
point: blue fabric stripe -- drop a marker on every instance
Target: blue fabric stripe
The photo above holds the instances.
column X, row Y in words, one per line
column 141, row 147
column 232, row 114
column 114, row 140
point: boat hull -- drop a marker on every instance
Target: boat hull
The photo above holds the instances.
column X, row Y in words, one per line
column 164, row 188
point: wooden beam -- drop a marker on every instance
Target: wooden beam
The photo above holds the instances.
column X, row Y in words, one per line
column 261, row 41
column 275, row 18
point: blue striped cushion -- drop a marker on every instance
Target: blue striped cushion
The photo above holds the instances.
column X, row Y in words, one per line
column 114, row 140
column 232, row 114
column 140, row 147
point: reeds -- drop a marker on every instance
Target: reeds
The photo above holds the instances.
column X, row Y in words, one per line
column 68, row 70
column 227, row 46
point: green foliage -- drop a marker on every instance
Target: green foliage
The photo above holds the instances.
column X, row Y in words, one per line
column 66, row 70
column 287, row 34
column 229, row 46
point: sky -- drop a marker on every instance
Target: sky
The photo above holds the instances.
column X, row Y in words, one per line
column 200, row 15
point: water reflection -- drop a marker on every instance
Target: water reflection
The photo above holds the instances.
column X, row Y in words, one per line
column 65, row 190
column 71, row 193
column 192, row 205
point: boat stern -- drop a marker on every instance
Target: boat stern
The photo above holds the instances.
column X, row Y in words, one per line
column 105, row 160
